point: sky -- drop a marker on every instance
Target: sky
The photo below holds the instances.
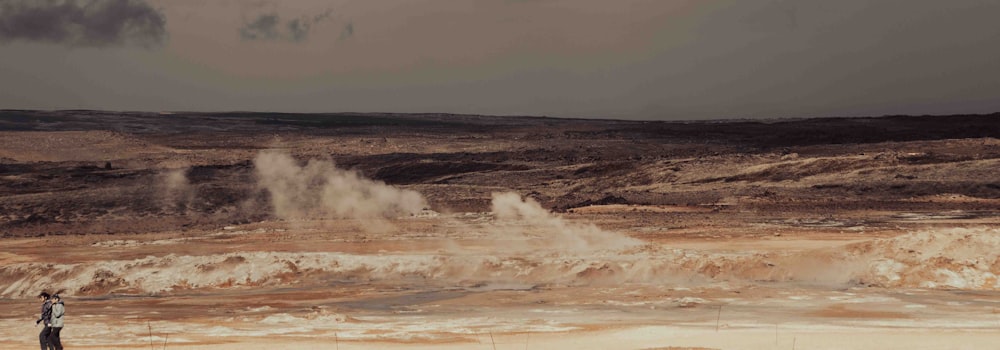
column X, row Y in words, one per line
column 631, row 59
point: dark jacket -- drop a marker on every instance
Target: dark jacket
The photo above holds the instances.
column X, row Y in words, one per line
column 46, row 312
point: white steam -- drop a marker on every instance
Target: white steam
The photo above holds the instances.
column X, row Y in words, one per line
column 527, row 217
column 321, row 190
column 175, row 189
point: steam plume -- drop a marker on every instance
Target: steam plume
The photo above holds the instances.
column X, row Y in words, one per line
column 321, row 190
column 176, row 190
column 530, row 218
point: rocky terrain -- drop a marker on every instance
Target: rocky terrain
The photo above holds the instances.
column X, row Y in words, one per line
column 218, row 230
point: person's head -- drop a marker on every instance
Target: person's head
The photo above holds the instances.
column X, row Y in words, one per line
column 43, row 296
column 56, row 298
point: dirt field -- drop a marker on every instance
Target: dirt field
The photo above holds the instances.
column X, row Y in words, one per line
column 371, row 231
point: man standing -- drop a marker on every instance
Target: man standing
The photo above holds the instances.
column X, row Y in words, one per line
column 56, row 322
column 43, row 337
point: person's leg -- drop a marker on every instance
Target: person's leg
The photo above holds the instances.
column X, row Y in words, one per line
column 54, row 342
column 43, row 337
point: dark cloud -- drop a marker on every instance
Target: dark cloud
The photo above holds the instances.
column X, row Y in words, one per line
column 348, row 31
column 264, row 27
column 269, row 27
column 323, row 16
column 94, row 23
column 298, row 29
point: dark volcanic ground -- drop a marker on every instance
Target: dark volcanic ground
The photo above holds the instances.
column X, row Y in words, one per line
column 78, row 172
column 199, row 230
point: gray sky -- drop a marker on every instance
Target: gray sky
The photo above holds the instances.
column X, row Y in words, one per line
column 637, row 59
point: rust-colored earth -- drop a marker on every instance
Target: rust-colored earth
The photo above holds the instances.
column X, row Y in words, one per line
column 368, row 231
